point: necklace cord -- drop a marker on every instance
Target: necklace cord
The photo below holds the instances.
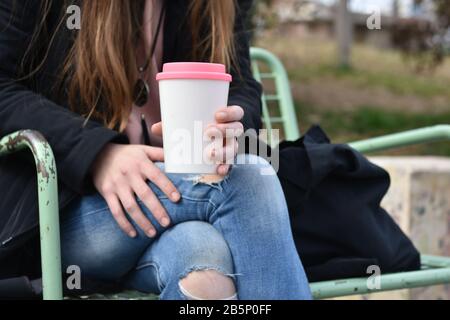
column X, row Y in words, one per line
column 155, row 39
column 147, row 139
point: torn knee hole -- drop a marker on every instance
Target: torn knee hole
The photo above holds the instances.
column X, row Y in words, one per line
column 208, row 285
column 210, row 179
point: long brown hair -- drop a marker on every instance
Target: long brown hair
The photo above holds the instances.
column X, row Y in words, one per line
column 102, row 66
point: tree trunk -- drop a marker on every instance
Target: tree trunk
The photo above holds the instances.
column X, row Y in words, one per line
column 395, row 9
column 344, row 32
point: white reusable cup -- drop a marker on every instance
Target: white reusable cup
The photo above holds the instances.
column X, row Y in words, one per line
column 190, row 94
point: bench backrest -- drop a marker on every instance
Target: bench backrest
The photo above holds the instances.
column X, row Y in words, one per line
column 278, row 106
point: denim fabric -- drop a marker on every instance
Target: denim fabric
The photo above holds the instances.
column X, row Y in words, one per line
column 239, row 227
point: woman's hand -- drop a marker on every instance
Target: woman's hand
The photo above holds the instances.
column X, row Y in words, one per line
column 227, row 126
column 120, row 173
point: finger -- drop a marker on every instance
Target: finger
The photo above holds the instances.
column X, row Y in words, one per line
column 148, row 197
column 154, row 154
column 155, row 175
column 213, row 133
column 119, row 215
column 226, row 154
column 134, row 211
column 229, row 114
column 157, row 129
column 227, row 130
column 152, row 203
column 223, row 169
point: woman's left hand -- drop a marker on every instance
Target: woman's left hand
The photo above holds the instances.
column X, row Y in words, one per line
column 229, row 127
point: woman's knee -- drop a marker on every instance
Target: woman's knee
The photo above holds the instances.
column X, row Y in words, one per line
column 255, row 164
column 253, row 186
column 252, row 172
column 254, row 179
column 205, row 264
column 201, row 262
column 200, row 245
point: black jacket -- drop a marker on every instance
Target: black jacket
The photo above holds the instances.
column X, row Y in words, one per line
column 30, row 104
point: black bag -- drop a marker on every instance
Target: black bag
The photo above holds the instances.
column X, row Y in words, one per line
column 333, row 194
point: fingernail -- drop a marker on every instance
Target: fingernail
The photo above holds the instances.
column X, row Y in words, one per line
column 175, row 196
column 151, row 233
column 165, row 222
column 210, row 134
column 221, row 115
column 132, row 234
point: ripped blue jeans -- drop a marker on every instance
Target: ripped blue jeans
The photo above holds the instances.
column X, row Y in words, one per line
column 238, row 227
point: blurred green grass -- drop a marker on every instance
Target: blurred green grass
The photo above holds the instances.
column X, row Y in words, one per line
column 396, row 83
column 367, row 122
column 380, row 94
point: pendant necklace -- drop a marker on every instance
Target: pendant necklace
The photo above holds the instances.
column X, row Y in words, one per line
column 141, row 88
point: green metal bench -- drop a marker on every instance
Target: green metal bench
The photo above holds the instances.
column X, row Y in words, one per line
column 435, row 270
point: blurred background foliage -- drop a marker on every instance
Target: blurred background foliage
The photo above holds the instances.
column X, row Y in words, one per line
column 397, row 77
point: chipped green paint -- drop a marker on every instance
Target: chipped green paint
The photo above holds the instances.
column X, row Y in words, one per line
column 48, row 204
column 45, row 164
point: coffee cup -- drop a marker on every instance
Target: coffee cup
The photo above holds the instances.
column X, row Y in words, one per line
column 190, row 95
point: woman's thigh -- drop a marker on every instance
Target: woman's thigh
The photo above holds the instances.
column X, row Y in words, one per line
column 92, row 240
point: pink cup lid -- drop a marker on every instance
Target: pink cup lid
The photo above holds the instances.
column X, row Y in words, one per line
column 194, row 70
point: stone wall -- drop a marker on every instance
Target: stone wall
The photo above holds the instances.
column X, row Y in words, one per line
column 419, row 201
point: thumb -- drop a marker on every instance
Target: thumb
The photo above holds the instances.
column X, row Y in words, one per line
column 155, row 154
column 157, row 129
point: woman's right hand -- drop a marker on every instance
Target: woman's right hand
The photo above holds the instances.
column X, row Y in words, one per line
column 120, row 172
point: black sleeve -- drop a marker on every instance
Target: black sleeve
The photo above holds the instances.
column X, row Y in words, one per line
column 75, row 147
column 245, row 91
